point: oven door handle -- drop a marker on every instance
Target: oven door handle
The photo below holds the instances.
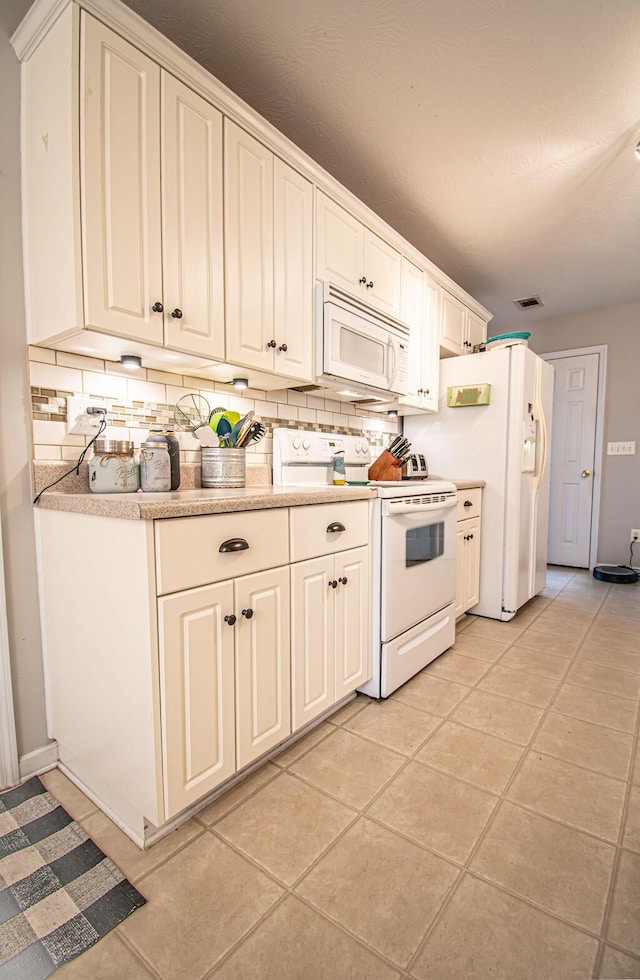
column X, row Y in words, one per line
column 400, row 507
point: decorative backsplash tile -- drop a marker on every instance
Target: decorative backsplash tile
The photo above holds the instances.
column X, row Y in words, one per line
column 135, row 403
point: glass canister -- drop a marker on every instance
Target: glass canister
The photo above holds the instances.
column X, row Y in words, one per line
column 112, row 468
column 160, row 433
column 155, row 466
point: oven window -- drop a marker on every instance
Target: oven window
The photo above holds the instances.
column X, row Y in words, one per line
column 424, row 544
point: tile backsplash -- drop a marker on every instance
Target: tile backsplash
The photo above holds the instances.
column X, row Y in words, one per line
column 136, row 401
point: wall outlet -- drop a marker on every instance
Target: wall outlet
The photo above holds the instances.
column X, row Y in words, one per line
column 635, row 534
column 78, row 422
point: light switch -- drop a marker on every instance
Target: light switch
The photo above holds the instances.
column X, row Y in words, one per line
column 621, row 449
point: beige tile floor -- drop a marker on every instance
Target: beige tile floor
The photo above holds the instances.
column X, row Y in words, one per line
column 482, row 822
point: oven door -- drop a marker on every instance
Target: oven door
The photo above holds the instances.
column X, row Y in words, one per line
column 418, row 574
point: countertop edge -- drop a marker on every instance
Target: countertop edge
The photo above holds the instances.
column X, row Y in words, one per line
column 118, row 506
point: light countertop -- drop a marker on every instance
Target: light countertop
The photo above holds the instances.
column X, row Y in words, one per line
column 189, row 503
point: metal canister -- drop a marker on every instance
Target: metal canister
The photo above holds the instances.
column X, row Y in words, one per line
column 223, row 467
column 155, row 466
column 112, row 468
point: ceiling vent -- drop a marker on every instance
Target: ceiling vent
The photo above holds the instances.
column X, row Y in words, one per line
column 528, row 302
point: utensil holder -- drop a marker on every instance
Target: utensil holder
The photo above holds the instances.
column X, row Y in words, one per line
column 223, row 467
column 385, row 467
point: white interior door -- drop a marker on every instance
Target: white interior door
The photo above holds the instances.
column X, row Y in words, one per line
column 572, row 458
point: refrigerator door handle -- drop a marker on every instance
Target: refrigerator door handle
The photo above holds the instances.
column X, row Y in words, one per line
column 542, row 422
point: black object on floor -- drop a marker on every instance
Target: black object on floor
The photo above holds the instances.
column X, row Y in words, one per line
column 621, row 574
column 59, row 893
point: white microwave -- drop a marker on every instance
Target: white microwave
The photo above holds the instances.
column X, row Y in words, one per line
column 357, row 346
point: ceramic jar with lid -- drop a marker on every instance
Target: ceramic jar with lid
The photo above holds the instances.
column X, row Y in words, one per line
column 155, row 466
column 113, row 468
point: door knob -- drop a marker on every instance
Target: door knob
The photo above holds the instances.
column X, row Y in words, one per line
column 586, row 473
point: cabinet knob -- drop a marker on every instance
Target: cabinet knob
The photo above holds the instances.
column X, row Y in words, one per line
column 247, row 613
column 158, row 308
column 425, row 391
column 230, row 619
column 333, row 584
column 335, row 527
column 233, row 544
column 343, row 580
column 468, row 503
column 271, row 343
column 370, row 284
column 176, row 314
column 283, row 348
column 363, row 281
column 470, row 538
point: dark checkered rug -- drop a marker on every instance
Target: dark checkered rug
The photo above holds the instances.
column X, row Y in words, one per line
column 59, row 894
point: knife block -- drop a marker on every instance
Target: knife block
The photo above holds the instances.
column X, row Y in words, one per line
column 385, row 467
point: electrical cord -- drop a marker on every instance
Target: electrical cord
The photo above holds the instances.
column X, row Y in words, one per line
column 76, row 467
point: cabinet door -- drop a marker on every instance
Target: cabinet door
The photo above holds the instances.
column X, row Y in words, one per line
column 476, row 330
column 461, row 569
column 293, row 273
column 312, row 632
column 383, row 269
column 263, row 684
column 412, row 313
column 248, row 205
column 120, row 185
column 196, row 692
column 430, row 346
column 454, row 321
column 472, row 563
column 193, row 280
column 352, row 657
column 339, row 246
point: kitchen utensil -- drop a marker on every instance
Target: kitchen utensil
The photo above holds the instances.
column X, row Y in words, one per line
column 394, row 443
column 241, row 428
column 191, row 411
column 207, row 437
column 255, row 434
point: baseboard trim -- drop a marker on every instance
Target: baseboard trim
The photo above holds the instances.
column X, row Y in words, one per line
column 40, row 760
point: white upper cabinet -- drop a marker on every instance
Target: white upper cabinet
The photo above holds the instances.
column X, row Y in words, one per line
column 159, row 213
column 417, row 310
column 351, row 256
column 460, row 328
column 193, row 276
column 268, row 266
column 120, row 184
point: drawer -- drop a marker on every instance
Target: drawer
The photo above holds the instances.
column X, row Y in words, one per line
column 188, row 548
column 469, row 503
column 310, row 534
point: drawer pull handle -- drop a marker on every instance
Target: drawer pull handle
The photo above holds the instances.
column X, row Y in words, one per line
column 230, row 619
column 247, row 613
column 233, row 544
column 333, row 584
column 468, row 503
column 343, row 580
column 335, row 527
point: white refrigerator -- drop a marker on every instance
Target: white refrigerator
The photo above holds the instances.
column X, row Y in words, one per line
column 505, row 443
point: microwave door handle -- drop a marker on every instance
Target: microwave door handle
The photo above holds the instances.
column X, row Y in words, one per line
column 392, row 348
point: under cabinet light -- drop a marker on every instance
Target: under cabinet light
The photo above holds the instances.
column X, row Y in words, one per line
column 131, row 361
column 240, row 382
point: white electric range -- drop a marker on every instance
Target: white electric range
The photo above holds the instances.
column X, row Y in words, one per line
column 413, row 541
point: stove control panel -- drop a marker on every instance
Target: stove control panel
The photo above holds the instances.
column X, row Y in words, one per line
column 305, row 457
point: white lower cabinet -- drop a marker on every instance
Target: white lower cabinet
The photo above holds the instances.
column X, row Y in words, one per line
column 330, row 623
column 224, row 680
column 468, row 551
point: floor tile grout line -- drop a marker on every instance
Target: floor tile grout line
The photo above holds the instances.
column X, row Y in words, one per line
column 493, row 815
column 619, row 848
column 213, row 969
column 596, row 724
column 139, row 880
column 133, row 949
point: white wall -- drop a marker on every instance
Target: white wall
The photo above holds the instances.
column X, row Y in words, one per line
column 15, row 414
column 619, row 328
